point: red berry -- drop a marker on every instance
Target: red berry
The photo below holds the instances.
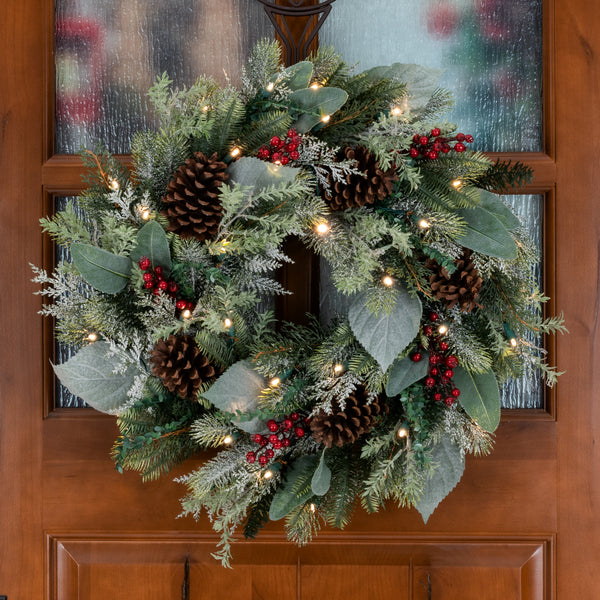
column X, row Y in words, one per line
column 284, row 160
column 414, row 152
column 263, row 441
column 443, row 346
column 294, row 155
column 173, row 287
column 148, row 285
column 158, row 270
column 144, row 263
column 460, row 137
column 455, row 392
column 286, row 442
column 277, row 444
column 469, row 139
column 434, row 317
column 263, row 460
column 291, row 147
column 299, row 432
column 432, row 155
column 276, row 141
column 257, row 438
column 163, row 285
column 294, row 416
column 459, row 147
column 181, row 304
column 449, row 400
column 437, row 396
column 452, row 361
column 272, row 425
column 435, row 132
column 427, row 330
column 444, row 380
column 434, row 359
column 416, row 357
column 189, row 305
column 288, row 424
column 269, row 453
column 445, row 149
column 434, row 372
column 147, row 276
column 273, row 438
column 250, row 457
column 423, row 140
column 416, row 138
column 156, row 291
column 276, row 157
column 449, row 374
column 292, row 133
column 429, row 382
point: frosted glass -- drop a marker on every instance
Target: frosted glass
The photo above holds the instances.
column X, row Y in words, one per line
column 491, row 51
column 521, row 393
column 109, row 53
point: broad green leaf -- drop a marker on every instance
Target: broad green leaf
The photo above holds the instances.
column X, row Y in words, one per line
column 385, row 335
column 479, row 396
column 103, row 270
column 321, row 479
column 493, row 204
column 317, row 104
column 296, row 488
column 486, row 234
column 298, row 75
column 420, row 81
column 152, row 242
column 450, row 467
column 89, row 375
column 258, row 174
column 237, row 391
column 404, row 373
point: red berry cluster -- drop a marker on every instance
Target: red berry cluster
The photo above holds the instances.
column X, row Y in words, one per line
column 441, row 365
column 282, row 150
column 430, row 146
column 153, row 280
column 281, row 436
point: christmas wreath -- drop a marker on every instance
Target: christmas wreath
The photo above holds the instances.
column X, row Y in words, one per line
column 173, row 269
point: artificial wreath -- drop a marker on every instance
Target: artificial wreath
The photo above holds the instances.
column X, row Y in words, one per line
column 173, row 267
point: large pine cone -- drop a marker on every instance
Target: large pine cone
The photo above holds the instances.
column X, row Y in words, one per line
column 359, row 190
column 462, row 287
column 181, row 365
column 192, row 203
column 346, row 426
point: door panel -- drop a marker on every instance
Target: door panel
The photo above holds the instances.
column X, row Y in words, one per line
column 521, row 524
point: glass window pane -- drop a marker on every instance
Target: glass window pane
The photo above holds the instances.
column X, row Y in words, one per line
column 109, row 53
column 491, row 51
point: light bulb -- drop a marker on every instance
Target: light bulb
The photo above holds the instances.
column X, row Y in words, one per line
column 227, row 323
column 270, row 86
column 313, row 508
column 145, row 212
column 92, row 337
column 338, row 368
column 457, row 183
column 513, row 342
column 315, row 86
column 268, row 474
column 396, row 111
column 322, row 228
column 325, row 118
column 205, row 108
column 275, row 382
column 387, row 281
column 235, row 152
column 402, row 432
column 424, row 224
column 227, row 439
column 442, row 329
column 186, row 314
column 113, row 184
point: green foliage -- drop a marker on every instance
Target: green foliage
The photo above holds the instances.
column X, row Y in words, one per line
column 505, row 177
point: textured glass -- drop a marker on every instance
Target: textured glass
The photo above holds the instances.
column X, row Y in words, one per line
column 62, row 352
column 109, row 52
column 490, row 50
column 521, row 393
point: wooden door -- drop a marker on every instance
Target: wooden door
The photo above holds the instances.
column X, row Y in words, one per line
column 522, row 523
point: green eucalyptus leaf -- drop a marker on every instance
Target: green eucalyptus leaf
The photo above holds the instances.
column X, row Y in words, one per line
column 405, row 372
column 450, row 467
column 321, row 479
column 258, row 174
column 486, row 234
column 237, row 391
column 152, row 242
column 420, row 81
column 296, row 489
column 493, row 204
column 385, row 335
column 90, row 375
column 479, row 396
column 298, row 76
column 317, row 103
column 103, row 270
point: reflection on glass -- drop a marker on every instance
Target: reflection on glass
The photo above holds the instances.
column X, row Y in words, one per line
column 521, row 393
column 109, row 53
column 490, row 50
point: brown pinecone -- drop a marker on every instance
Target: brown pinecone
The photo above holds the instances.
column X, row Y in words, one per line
column 462, row 287
column 346, row 426
column 357, row 190
column 181, row 365
column 192, row 203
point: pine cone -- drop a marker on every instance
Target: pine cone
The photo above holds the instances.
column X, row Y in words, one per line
column 346, row 426
column 359, row 190
column 192, row 203
column 462, row 287
column 181, row 365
